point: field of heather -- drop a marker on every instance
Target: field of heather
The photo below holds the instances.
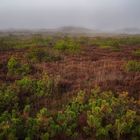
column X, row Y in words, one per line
column 69, row 87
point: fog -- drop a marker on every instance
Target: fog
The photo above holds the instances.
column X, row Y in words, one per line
column 94, row 14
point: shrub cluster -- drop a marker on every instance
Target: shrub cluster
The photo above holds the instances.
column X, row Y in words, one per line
column 132, row 66
column 100, row 115
column 115, row 41
column 16, row 68
column 25, row 91
column 4, row 44
column 37, row 54
column 68, row 45
column 137, row 52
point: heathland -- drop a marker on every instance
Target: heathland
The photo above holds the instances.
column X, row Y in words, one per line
column 63, row 87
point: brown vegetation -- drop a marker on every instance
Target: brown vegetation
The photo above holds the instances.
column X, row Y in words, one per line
column 50, row 88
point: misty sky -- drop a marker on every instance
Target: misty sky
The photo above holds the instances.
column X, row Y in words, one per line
column 96, row 14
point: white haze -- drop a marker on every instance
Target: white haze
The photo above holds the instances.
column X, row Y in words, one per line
column 94, row 14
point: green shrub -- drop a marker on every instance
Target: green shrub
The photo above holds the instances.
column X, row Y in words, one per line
column 39, row 40
column 27, row 109
column 5, row 45
column 115, row 42
column 67, row 45
column 25, row 69
column 16, row 68
column 39, row 88
column 25, row 84
column 37, row 54
column 105, row 47
column 108, row 114
column 132, row 66
column 125, row 124
column 112, row 45
column 32, row 128
column 43, row 113
column 45, row 136
column 8, row 99
column 13, row 65
column 27, row 138
column 137, row 52
column 98, row 114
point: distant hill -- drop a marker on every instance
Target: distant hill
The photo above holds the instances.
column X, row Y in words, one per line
column 128, row 31
column 63, row 30
column 70, row 29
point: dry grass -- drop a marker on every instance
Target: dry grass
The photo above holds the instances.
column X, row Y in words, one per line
column 93, row 66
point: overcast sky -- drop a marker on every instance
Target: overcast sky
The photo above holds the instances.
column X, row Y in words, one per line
column 96, row 14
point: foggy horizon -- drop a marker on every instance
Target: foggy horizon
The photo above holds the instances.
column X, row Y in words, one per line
column 92, row 14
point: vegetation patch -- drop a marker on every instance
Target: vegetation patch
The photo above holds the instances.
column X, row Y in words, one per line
column 4, row 44
column 37, row 54
column 137, row 52
column 43, row 101
column 105, row 115
column 132, row 66
column 115, row 41
column 105, row 47
column 16, row 68
column 67, row 46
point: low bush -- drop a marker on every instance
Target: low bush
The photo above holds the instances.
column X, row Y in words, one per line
column 132, row 66
column 137, row 52
column 37, row 54
column 26, row 91
column 106, row 116
column 115, row 41
column 109, row 44
column 5, row 45
column 105, row 47
column 16, row 68
column 8, row 99
column 67, row 46
column 30, row 91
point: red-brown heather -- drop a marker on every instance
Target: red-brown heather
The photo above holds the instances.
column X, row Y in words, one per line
column 69, row 87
